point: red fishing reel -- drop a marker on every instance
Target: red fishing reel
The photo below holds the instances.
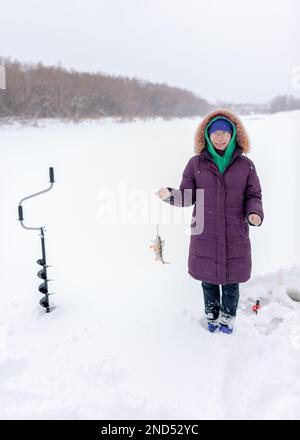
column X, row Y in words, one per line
column 256, row 307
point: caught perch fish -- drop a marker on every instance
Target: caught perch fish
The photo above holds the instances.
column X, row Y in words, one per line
column 158, row 246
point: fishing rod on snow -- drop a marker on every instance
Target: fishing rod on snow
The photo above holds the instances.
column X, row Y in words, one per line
column 42, row 273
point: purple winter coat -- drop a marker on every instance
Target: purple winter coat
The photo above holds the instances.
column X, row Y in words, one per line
column 221, row 254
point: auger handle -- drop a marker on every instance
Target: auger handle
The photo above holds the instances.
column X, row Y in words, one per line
column 20, row 210
column 51, row 175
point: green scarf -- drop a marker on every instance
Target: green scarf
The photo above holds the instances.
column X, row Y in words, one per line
column 221, row 161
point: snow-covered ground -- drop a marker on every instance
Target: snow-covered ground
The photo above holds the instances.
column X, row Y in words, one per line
column 126, row 339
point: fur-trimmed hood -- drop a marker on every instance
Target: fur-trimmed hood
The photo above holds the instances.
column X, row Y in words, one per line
column 242, row 138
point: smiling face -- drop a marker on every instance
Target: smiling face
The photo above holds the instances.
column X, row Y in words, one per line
column 220, row 139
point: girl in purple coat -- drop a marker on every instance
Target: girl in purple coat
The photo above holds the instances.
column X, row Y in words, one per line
column 221, row 253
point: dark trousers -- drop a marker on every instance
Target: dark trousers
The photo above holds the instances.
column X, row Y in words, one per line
column 224, row 308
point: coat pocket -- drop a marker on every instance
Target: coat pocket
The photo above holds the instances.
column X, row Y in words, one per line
column 241, row 229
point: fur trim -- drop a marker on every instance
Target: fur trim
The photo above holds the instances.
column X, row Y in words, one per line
column 241, row 134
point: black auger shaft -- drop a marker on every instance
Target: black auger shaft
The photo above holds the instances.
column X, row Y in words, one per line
column 43, row 288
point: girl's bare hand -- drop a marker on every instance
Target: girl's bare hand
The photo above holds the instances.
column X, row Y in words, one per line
column 255, row 219
column 163, row 193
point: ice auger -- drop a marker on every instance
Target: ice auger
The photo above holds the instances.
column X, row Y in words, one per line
column 42, row 273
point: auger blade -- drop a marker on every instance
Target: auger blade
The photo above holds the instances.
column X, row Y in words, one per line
column 43, row 288
column 42, row 274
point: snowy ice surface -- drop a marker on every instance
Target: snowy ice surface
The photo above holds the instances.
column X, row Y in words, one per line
column 127, row 337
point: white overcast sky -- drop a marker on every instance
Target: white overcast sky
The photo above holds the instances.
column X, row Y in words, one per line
column 222, row 50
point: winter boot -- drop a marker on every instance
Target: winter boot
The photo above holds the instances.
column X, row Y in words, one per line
column 211, row 327
column 225, row 329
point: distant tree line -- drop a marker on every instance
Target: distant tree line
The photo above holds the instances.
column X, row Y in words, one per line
column 38, row 91
column 280, row 103
column 35, row 91
column 284, row 103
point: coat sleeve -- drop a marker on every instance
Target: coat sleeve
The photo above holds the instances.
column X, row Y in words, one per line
column 186, row 194
column 253, row 195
